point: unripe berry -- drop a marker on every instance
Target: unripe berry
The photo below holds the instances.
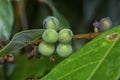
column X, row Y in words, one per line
column 65, row 35
column 64, row 49
column 51, row 23
column 46, row 49
column 50, row 36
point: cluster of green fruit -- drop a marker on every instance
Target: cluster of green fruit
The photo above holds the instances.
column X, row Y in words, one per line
column 52, row 36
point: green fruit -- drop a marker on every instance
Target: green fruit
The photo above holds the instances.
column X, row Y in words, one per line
column 65, row 35
column 64, row 49
column 51, row 23
column 46, row 49
column 50, row 36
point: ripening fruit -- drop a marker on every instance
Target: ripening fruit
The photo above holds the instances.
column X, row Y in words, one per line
column 103, row 25
column 51, row 23
column 64, row 49
column 50, row 36
column 65, row 35
column 46, row 49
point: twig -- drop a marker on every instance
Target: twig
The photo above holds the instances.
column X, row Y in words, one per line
column 19, row 7
column 86, row 36
column 77, row 36
column 23, row 16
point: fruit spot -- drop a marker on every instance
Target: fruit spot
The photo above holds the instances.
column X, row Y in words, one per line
column 113, row 37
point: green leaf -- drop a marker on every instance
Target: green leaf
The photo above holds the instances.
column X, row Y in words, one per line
column 36, row 67
column 97, row 60
column 21, row 40
column 6, row 18
column 63, row 22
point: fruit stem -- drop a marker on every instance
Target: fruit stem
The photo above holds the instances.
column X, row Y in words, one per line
column 86, row 36
column 77, row 36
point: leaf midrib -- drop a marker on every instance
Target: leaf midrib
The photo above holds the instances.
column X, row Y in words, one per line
column 80, row 56
column 100, row 62
column 78, row 69
column 103, row 59
column 82, row 66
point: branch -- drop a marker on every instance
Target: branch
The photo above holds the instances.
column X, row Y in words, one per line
column 77, row 36
column 86, row 36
